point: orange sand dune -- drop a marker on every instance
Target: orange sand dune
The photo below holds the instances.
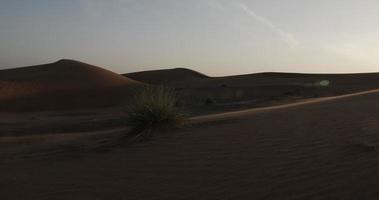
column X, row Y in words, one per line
column 65, row 84
column 325, row 149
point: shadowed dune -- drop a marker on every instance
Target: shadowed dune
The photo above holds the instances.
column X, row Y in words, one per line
column 180, row 77
column 200, row 94
column 337, row 82
column 65, row 84
column 167, row 76
column 323, row 149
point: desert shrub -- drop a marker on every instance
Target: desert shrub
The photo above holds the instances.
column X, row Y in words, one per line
column 209, row 101
column 152, row 108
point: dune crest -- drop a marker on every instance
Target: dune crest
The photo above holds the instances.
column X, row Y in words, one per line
column 166, row 76
column 65, row 84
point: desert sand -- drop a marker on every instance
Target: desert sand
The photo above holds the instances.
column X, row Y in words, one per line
column 65, row 84
column 253, row 90
column 303, row 140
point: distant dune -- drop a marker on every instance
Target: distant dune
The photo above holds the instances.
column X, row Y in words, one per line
column 181, row 76
column 66, row 84
column 167, row 76
column 337, row 81
column 69, row 84
column 219, row 94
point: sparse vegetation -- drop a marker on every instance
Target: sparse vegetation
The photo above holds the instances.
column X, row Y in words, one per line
column 154, row 108
column 209, row 101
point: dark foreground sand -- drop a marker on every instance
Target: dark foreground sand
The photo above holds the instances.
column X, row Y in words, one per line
column 324, row 149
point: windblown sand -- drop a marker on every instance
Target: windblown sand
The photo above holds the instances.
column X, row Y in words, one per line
column 322, row 149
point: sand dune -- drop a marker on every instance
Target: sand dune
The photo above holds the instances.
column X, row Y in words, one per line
column 337, row 82
column 242, row 113
column 167, row 76
column 65, row 84
column 325, row 149
column 219, row 94
column 181, row 76
column 69, row 84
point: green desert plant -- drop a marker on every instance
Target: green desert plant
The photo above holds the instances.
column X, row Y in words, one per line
column 154, row 108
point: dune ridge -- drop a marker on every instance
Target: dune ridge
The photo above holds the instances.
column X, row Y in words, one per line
column 66, row 84
column 166, row 76
column 247, row 112
column 219, row 94
column 364, row 81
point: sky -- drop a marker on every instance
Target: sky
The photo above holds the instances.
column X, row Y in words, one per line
column 215, row 37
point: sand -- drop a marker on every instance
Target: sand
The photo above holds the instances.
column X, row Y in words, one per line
column 324, row 149
column 202, row 94
column 65, row 84
column 167, row 76
column 301, row 140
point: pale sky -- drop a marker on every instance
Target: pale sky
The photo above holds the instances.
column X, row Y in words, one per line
column 215, row 37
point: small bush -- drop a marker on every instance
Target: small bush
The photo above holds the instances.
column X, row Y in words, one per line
column 209, row 101
column 152, row 108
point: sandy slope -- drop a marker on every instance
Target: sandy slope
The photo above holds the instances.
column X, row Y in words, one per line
column 243, row 113
column 181, row 77
column 253, row 90
column 65, row 84
column 167, row 76
column 325, row 149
